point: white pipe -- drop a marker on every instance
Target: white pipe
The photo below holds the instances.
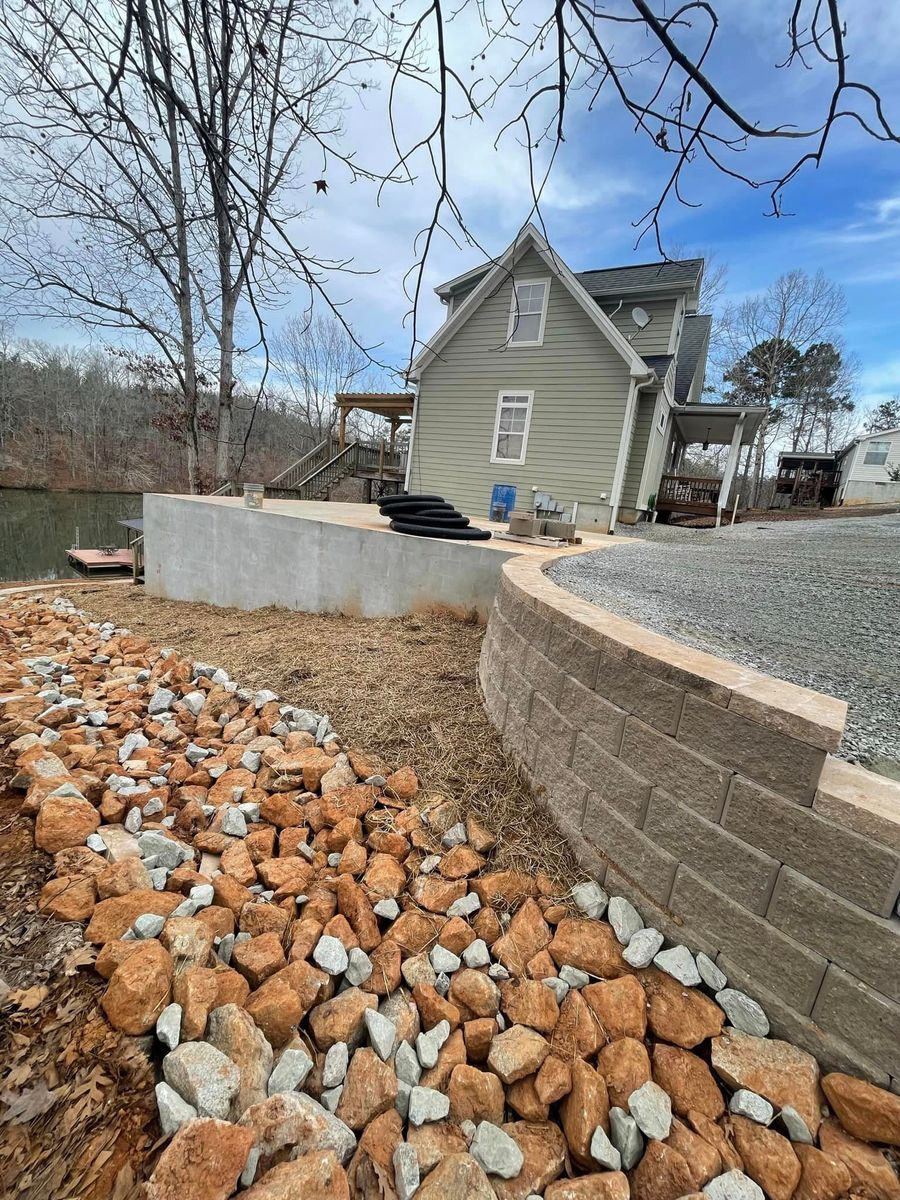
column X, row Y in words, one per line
column 624, row 447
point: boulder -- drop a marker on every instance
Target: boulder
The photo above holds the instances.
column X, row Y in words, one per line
column 608, row 1185
column 821, row 1176
column 517, row 1052
column 317, row 1175
column 65, row 821
column 232, row 1031
column 370, row 1088
column 456, row 1177
column 475, row 1095
column 688, row 1080
column 625, row 1065
column 620, row 1006
column 776, row 1070
column 677, row 1013
column 297, row 1123
column 544, row 1151
column 662, row 1174
column 584, row 1108
column 591, row 946
column 68, row 899
column 870, row 1172
column 203, row 1161
column 866, row 1111
column 139, row 989
column 769, row 1158
column 111, row 918
column 204, row 1077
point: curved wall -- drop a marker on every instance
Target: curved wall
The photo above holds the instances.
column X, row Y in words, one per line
column 705, row 793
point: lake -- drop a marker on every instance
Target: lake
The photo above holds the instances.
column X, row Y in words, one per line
column 37, row 528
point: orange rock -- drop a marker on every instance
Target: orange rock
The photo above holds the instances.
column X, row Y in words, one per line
column 505, row 888
column 402, row 784
column 456, row 935
column 203, row 1161
column 866, row 1111
column 523, row 1099
column 544, row 1151
column 196, row 989
column 517, row 1052
column 434, row 1008
column 372, row 1166
column 717, row 1137
column 475, row 992
column 64, row 821
column 68, row 899
column 262, row 918
column 780, row 1072
column 384, row 876
column 479, row 836
column 478, row 1035
column 528, row 933
column 870, row 1172
column 688, row 1080
column 370, row 1088
column 139, row 989
column 219, row 920
column 316, row 1175
column 451, row 1055
column 294, row 873
column 237, row 863
column 230, row 894
column 341, row 1019
column 354, row 859
column 259, row 958
column 353, row 903
column 577, row 1033
column 231, row 988
column 528, row 1002
column 76, row 861
column 678, row 1014
column 703, row 1160
column 385, row 977
column 620, row 1006
column 584, row 1108
column 436, row 894
column 353, row 801
column 121, row 877
column 233, row 1031
column 553, row 1080
column 607, row 1185
column 415, row 931
column 662, row 1174
column 475, row 1095
column 111, row 918
column 339, row 927
column 589, row 945
column 625, row 1065
column 282, row 811
column 821, row 1176
column 460, row 863
column 435, row 1141
column 188, row 940
column 769, row 1158
column 487, row 926
column 309, row 983
column 112, row 955
column 276, row 1009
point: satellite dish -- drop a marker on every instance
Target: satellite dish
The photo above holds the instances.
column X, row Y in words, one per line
column 641, row 317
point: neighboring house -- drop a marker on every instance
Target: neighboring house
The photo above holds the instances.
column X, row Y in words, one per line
column 858, row 474
column 585, row 386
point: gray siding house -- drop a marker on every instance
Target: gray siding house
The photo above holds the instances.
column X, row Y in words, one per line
column 585, row 385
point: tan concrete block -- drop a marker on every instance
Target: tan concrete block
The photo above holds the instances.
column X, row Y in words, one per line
column 563, row 792
column 627, row 850
column 852, row 866
column 651, row 699
column 739, row 870
column 553, row 731
column 601, row 721
column 781, row 763
column 867, row 803
column 774, row 959
column 519, row 739
column 518, row 690
column 667, row 763
column 575, row 657
column 610, row 780
column 656, row 915
column 846, row 1007
column 543, row 675
column 796, row 711
column 863, row 944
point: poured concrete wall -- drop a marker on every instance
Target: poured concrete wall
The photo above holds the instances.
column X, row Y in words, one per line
column 216, row 551
column 705, row 793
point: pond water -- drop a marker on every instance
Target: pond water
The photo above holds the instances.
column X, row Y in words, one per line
column 37, row 528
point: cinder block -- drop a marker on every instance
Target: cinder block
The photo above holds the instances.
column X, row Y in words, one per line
column 861, row 800
column 840, row 1052
column 519, row 739
column 543, row 675
column 844, row 862
column 534, row 628
column 742, row 872
column 563, row 793
column 656, row 702
column 516, row 649
column 553, row 731
column 667, row 763
column 863, row 944
column 574, row 656
column 774, row 960
column 518, row 690
column 846, row 1007
column 610, row 779
column 601, row 721
column 781, row 763
column 629, row 852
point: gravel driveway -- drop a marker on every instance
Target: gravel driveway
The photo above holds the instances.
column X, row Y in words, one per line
column 815, row 602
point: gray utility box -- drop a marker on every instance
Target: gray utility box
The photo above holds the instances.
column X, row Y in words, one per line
column 524, row 524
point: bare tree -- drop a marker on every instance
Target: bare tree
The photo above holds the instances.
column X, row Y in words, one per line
column 316, row 357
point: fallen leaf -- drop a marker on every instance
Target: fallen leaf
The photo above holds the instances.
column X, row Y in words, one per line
column 27, row 1105
column 29, row 998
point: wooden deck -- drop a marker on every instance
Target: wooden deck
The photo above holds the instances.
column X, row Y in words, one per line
column 689, row 494
column 98, row 562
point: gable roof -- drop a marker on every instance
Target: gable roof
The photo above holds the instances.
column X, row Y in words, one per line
column 528, row 238
column 691, row 351
column 609, row 281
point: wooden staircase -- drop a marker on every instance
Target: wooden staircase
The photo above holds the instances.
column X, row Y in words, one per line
column 311, row 477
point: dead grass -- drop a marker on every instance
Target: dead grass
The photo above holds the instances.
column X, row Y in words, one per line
column 405, row 689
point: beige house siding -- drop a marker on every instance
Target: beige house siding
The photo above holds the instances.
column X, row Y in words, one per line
column 580, row 384
column 655, row 338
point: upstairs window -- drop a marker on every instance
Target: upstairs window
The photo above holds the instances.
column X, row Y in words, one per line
column 528, row 312
column 877, row 454
column 511, row 427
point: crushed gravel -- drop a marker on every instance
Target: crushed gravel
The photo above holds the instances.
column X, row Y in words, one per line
column 814, row 602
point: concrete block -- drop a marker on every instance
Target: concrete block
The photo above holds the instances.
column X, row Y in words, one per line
column 494, row 702
column 863, row 944
column 834, row 1052
column 610, row 779
column 854, row 867
column 742, row 872
column 602, row 721
column 544, row 675
column 563, row 792
column 775, row 960
column 627, row 849
column 689, row 777
column 523, row 617
column 651, row 699
column 574, row 656
column 518, row 690
column 773, row 759
column 516, row 649
column 553, row 731
column 846, row 1007
column 655, row 915
column 867, row 803
column 519, row 739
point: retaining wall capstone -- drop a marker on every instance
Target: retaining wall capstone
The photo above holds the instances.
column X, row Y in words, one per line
column 705, row 793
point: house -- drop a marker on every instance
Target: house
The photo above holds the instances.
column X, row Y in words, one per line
column 582, row 386
column 870, row 469
column 806, row 480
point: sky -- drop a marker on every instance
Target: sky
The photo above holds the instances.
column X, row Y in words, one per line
column 845, row 214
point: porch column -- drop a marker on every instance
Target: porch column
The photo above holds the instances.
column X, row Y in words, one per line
column 734, row 453
column 342, row 432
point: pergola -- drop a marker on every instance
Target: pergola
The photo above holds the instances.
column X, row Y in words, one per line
column 395, row 407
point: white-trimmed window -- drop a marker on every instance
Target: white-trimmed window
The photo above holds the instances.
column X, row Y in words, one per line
column 528, row 312
column 511, row 426
column 877, row 454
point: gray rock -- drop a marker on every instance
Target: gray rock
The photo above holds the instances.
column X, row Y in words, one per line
column 426, row 1104
column 264, row 696
column 375, row 780
column 168, row 851
column 714, row 979
column 133, row 820
column 743, row 1012
column 574, row 977
column 406, row 1064
column 202, row 894
column 455, row 836
column 624, row 918
column 443, row 960
column 168, row 1025
column 204, row 1077
column 498, row 971
column 558, row 987
column 96, row 843
column 465, row 906
column 591, row 899
column 643, row 946
column 402, row 1102
column 733, row 1185
column 290, row 1072
column 158, row 877
column 334, row 1069
column 161, row 701
column 330, row 955
column 406, row 1170
column 442, row 984
column 251, row 760
column 429, row 1044
column 194, row 702
column 234, row 824
column 334, row 859
column 476, row 954
column 382, row 1033
column 148, row 925
column 131, row 742
column 626, row 1137
column 745, row 1103
column 359, row 967
column 679, row 963
column 495, row 1151
column 652, row 1110
column 153, row 806
column 249, row 1172
column 389, row 909
column 187, row 908
column 604, row 1152
column 795, row 1127
column 331, row 1097
column 226, row 945
column 195, row 754
column 173, row 1111
column 428, row 864
column 468, row 1129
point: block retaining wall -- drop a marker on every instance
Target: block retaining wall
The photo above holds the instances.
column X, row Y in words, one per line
column 705, row 793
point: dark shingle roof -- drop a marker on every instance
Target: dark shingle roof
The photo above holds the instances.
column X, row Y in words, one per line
column 691, row 351
column 658, row 362
column 611, row 280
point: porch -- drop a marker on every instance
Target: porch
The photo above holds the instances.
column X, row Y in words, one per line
column 706, row 425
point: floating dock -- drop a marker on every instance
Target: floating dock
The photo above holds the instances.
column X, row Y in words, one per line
column 101, row 562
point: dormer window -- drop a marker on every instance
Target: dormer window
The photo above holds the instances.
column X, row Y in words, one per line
column 528, row 312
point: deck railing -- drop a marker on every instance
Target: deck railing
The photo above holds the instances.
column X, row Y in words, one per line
column 303, row 467
column 693, row 490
